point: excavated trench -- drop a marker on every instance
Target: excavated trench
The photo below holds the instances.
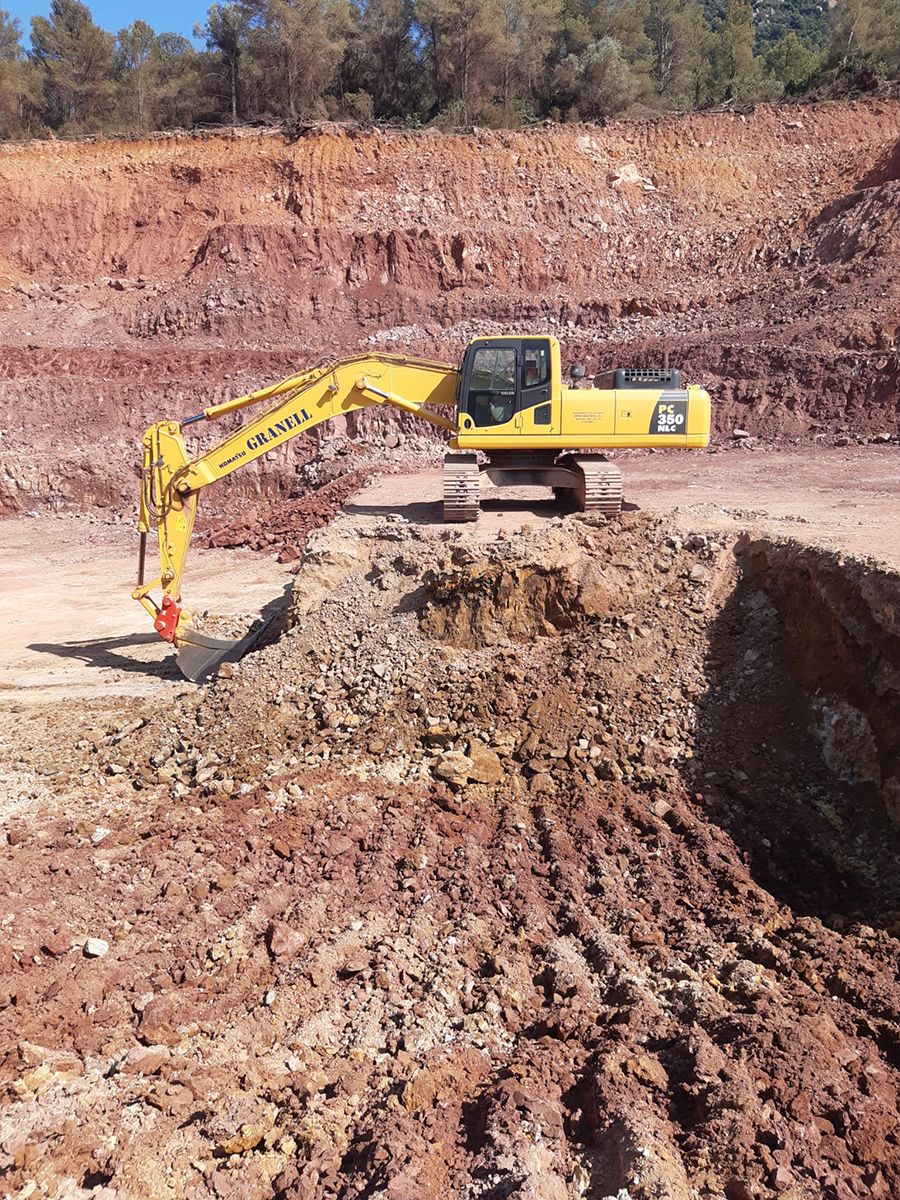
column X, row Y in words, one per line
column 796, row 746
column 563, row 865
column 800, row 743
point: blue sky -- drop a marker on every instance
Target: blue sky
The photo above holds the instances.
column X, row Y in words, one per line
column 166, row 16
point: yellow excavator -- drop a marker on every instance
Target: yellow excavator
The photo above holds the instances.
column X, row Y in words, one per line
column 513, row 420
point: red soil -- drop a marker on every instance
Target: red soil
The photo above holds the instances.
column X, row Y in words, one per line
column 147, row 279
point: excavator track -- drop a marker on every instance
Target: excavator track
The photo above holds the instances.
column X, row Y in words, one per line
column 462, row 487
column 600, row 484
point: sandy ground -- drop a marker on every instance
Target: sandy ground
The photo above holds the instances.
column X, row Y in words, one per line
column 69, row 626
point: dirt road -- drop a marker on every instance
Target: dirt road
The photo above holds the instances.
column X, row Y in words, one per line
column 845, row 498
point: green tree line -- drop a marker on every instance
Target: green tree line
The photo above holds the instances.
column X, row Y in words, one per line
column 501, row 63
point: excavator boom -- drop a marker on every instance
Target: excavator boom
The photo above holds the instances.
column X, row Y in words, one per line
column 171, row 480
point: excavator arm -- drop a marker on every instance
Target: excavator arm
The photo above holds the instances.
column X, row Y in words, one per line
column 171, row 481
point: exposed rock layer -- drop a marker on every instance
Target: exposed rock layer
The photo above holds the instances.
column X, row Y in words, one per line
column 149, row 279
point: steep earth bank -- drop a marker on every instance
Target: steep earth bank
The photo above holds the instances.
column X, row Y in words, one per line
column 141, row 279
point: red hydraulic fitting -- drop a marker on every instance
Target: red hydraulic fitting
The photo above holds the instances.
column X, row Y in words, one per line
column 167, row 620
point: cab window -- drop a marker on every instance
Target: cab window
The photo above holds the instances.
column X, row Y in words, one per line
column 535, row 364
column 492, row 386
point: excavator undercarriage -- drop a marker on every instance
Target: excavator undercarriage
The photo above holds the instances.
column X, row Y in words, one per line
column 584, row 482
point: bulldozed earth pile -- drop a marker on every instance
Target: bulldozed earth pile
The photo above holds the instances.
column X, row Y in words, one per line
column 553, row 864
column 149, row 279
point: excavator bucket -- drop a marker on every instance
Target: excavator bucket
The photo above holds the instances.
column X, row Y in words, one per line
column 200, row 656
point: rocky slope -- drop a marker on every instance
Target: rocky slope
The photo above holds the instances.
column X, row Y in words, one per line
column 552, row 866
column 140, row 279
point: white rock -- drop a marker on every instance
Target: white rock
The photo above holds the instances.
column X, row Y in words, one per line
column 454, row 767
column 95, row 947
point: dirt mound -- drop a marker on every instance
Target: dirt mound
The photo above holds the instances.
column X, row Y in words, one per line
column 285, row 526
column 403, row 906
column 756, row 250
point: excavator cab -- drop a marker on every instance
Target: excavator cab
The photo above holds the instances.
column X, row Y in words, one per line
column 509, row 387
column 518, row 424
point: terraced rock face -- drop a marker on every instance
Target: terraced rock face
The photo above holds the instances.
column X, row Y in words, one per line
column 409, row 906
column 148, row 279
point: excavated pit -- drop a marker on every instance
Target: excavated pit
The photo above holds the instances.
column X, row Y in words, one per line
column 558, row 866
column 805, row 664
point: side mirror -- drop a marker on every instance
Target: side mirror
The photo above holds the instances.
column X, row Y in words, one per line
column 578, row 371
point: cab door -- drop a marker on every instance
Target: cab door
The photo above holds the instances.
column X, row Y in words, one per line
column 538, row 415
column 490, row 392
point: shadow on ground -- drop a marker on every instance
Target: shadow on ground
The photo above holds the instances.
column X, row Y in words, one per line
column 821, row 844
column 422, row 512
column 105, row 653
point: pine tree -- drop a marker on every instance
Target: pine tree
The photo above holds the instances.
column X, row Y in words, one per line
column 793, row 63
column 19, row 84
column 625, row 21
column 464, row 45
column 596, row 83
column 497, row 62
column 134, row 56
column 77, row 59
column 10, row 38
column 382, row 60
column 680, row 41
column 529, row 30
column 225, row 34
column 178, row 88
column 738, row 74
column 867, row 32
column 295, row 51
column 610, row 51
